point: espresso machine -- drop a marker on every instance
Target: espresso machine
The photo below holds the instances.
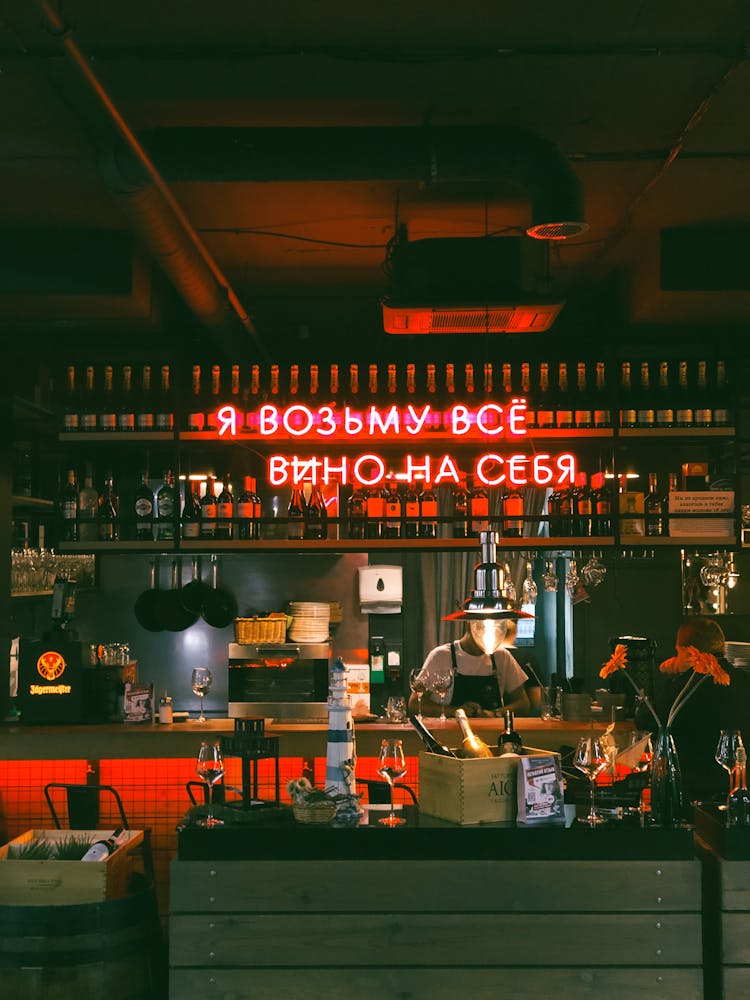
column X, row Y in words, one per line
column 280, row 680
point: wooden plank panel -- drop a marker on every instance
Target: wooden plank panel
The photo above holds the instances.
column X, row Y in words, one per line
column 378, row 982
column 736, row 938
column 401, row 938
column 735, row 885
column 736, row 983
column 433, row 886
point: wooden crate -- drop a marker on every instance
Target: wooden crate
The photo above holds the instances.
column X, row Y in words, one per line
column 45, row 882
column 472, row 790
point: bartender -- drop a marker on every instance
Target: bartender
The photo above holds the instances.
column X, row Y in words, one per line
column 483, row 684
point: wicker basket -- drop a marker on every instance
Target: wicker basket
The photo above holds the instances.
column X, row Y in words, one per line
column 250, row 630
column 320, row 812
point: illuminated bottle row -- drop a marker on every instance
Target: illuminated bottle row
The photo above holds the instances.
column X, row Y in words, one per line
column 583, row 395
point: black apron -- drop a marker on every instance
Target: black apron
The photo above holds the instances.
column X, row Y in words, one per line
column 484, row 689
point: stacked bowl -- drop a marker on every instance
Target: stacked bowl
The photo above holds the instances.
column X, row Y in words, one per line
column 310, row 621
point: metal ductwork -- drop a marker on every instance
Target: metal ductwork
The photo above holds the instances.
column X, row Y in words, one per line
column 427, row 153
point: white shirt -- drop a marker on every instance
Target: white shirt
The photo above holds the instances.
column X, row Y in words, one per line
column 509, row 675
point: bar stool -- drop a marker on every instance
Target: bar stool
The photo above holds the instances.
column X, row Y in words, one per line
column 378, row 792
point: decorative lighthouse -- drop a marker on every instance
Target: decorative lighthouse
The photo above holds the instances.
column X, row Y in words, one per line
column 341, row 757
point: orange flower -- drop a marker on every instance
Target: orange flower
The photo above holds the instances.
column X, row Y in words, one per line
column 680, row 663
column 617, row 661
column 706, row 663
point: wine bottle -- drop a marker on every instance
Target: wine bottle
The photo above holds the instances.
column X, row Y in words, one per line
column 428, row 512
column 314, row 384
column 144, row 419
column 375, row 511
column 431, row 744
column 208, row 510
column 333, row 382
column 126, row 411
column 460, row 499
column 628, row 412
column 509, row 741
column 71, row 418
column 357, row 512
column 393, row 511
column 225, row 510
column 247, row 526
column 602, row 502
column 507, row 377
column 191, row 511
column 296, row 514
column 664, row 403
column 526, row 393
column 411, row 381
column 88, row 418
column 722, row 403
column 703, row 411
column 68, row 507
column 671, row 488
column 392, row 385
column 582, row 415
column 196, row 420
column 101, row 849
column 512, row 511
column 738, row 803
column 488, row 379
column 214, row 398
column 88, row 508
column 602, row 412
column 165, row 404
column 582, row 507
column 652, row 508
column 471, row 745
column 411, row 511
column 293, row 383
column 479, row 507
column 564, row 410
column 167, row 507
column 316, row 514
column 684, row 414
column 372, row 383
column 251, row 416
column 107, row 415
column 545, row 410
column 109, row 512
column 645, row 414
column 354, row 400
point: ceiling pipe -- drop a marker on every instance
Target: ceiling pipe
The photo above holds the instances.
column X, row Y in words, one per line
column 428, row 153
column 159, row 218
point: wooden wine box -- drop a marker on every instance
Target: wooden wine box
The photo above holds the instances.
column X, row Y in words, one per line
column 43, row 882
column 471, row 790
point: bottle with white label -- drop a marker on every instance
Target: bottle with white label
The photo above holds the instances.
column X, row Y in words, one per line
column 165, row 710
column 101, row 849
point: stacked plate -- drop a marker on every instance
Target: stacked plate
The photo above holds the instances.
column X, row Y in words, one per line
column 310, row 621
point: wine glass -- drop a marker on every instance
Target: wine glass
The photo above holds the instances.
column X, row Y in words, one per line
column 391, row 766
column 591, row 759
column 726, row 750
column 201, row 684
column 210, row 768
column 441, row 685
column 418, row 685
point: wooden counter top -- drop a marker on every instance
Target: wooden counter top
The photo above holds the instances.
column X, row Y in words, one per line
column 117, row 740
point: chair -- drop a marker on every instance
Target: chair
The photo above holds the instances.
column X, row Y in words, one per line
column 219, row 793
column 378, row 792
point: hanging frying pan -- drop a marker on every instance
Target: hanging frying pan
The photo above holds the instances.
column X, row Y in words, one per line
column 219, row 607
column 195, row 592
column 174, row 617
column 147, row 605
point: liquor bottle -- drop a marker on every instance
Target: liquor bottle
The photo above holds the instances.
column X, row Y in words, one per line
column 738, row 803
column 316, row 514
column 208, row 510
column 628, row 412
column 560, row 509
column 165, row 403
column 545, row 410
column 509, row 741
column 144, row 510
column 684, row 414
column 372, row 383
column 107, row 415
column 71, row 418
column 88, row 418
column 428, row 512
column 507, row 377
column 411, row 381
column 357, row 512
column 214, row 398
column 196, row 420
column 722, row 403
column 512, row 511
column 333, row 383
column 354, row 400
column 526, row 393
column 602, row 412
column 296, row 514
column 101, row 849
column 652, row 508
column 471, row 745
column 68, row 507
column 393, row 511
column 460, row 501
column 88, row 508
column 450, row 386
column 293, row 383
column 582, row 416
column 314, row 384
column 479, row 507
column 432, row 745
column 553, row 513
column 703, row 412
column 411, row 511
column 665, row 415
column 602, row 503
column 671, row 488
column 144, row 418
column 392, row 384
column 126, row 411
column 274, row 392
column 109, row 513
column 488, row 379
column 254, row 401
column 167, row 507
column 375, row 508
column 191, row 510
column 225, row 510
column 582, row 507
column 245, row 507
column 564, row 410
column 469, row 386
column 645, row 415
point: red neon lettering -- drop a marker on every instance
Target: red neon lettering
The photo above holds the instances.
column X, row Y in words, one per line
column 542, row 474
column 415, row 471
column 483, row 463
column 447, row 470
column 490, row 427
column 226, row 420
column 298, row 419
column 382, row 424
column 327, row 421
column 517, row 417
column 277, row 470
column 566, row 465
column 378, row 466
column 268, row 419
column 460, row 421
column 353, row 422
column 517, row 470
column 418, row 418
column 339, row 471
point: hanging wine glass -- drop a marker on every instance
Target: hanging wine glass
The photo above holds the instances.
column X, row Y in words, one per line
column 549, row 578
column 529, row 588
column 572, row 579
column 509, row 588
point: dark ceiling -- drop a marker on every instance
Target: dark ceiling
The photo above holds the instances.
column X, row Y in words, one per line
column 248, row 202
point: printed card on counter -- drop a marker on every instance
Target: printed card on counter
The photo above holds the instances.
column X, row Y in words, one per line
column 540, row 791
column 138, row 703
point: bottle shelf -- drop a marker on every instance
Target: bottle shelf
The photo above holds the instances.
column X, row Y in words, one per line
column 31, row 503
column 692, row 541
column 665, row 433
column 95, row 437
column 30, row 593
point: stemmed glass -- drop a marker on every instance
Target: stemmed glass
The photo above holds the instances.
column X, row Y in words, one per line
column 392, row 766
column 418, row 685
column 591, row 759
column 201, row 684
column 440, row 685
column 730, row 740
column 210, row 768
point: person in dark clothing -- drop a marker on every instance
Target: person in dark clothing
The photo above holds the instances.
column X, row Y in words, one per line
column 709, row 709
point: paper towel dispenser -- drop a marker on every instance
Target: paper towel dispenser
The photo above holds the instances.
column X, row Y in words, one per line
column 380, row 589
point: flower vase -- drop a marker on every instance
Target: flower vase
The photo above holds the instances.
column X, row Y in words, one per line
column 666, row 781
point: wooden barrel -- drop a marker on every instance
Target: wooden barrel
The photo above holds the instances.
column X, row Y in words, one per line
column 113, row 950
